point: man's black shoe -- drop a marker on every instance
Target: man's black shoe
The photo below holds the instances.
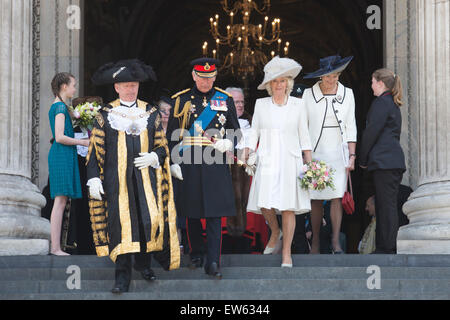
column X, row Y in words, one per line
column 213, row 270
column 119, row 288
column 148, row 274
column 196, row 263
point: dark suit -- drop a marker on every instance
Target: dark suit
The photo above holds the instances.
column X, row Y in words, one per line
column 382, row 154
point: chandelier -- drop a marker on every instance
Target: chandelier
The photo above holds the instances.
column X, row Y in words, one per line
column 245, row 41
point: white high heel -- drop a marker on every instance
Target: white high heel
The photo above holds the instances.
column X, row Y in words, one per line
column 286, row 265
column 277, row 247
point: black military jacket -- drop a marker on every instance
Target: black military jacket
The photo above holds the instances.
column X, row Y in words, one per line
column 206, row 189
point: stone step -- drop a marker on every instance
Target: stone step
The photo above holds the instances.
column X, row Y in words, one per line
column 230, row 297
column 246, row 277
column 299, row 260
column 253, row 286
column 95, row 273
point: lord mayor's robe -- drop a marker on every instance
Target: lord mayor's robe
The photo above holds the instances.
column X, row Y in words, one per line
column 117, row 226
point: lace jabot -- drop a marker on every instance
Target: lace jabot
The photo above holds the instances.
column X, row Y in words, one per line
column 132, row 120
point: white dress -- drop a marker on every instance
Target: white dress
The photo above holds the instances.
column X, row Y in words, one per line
column 329, row 149
column 245, row 128
column 276, row 184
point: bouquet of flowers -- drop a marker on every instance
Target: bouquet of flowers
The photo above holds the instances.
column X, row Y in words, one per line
column 316, row 175
column 84, row 114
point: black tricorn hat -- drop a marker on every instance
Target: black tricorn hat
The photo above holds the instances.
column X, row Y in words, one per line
column 132, row 70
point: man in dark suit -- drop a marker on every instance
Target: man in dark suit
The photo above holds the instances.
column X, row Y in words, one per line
column 200, row 119
column 382, row 155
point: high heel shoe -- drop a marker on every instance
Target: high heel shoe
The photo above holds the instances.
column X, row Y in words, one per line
column 286, row 265
column 274, row 250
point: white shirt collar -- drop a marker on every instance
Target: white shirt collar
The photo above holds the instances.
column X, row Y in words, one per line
column 318, row 96
column 127, row 103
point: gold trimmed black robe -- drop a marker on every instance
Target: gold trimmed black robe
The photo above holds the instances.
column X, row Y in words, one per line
column 127, row 189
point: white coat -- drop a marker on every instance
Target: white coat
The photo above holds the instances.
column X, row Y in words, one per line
column 343, row 106
column 279, row 165
column 327, row 142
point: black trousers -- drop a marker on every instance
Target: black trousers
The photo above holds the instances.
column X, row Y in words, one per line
column 142, row 259
column 386, row 183
column 197, row 247
column 300, row 243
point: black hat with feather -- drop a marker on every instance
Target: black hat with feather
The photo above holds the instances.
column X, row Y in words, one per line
column 132, row 70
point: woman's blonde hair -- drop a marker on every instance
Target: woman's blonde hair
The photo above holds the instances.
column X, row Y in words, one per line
column 290, row 86
column 392, row 83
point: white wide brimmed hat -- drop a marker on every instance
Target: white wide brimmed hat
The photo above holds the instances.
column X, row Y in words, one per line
column 279, row 68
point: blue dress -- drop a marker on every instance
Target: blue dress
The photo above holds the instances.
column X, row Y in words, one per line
column 62, row 159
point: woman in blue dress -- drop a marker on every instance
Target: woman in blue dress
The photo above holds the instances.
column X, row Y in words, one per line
column 62, row 158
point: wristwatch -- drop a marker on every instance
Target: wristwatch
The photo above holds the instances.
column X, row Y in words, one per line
column 353, row 155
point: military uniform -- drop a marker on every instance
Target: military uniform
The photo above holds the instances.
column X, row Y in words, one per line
column 206, row 189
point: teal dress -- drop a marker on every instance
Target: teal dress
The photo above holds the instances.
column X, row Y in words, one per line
column 63, row 169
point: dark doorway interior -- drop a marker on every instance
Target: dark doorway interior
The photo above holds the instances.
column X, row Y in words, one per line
column 168, row 34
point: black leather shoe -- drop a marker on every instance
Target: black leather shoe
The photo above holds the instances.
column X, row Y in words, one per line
column 213, row 270
column 148, row 274
column 196, row 263
column 119, row 288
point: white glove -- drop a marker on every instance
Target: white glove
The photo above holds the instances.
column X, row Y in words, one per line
column 249, row 171
column 147, row 159
column 175, row 170
column 251, row 161
column 95, row 188
column 223, row 145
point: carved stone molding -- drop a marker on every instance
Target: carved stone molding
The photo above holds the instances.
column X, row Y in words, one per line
column 36, row 88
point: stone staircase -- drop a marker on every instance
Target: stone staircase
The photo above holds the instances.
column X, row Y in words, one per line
column 245, row 277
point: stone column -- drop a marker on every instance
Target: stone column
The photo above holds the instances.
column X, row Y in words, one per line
column 22, row 230
column 428, row 207
column 59, row 51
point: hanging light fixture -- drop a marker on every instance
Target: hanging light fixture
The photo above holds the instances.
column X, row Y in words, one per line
column 246, row 42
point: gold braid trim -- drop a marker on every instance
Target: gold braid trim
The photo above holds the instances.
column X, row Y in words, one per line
column 100, row 120
column 185, row 114
column 99, row 222
column 179, row 93
column 223, row 91
column 175, row 256
column 98, row 209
